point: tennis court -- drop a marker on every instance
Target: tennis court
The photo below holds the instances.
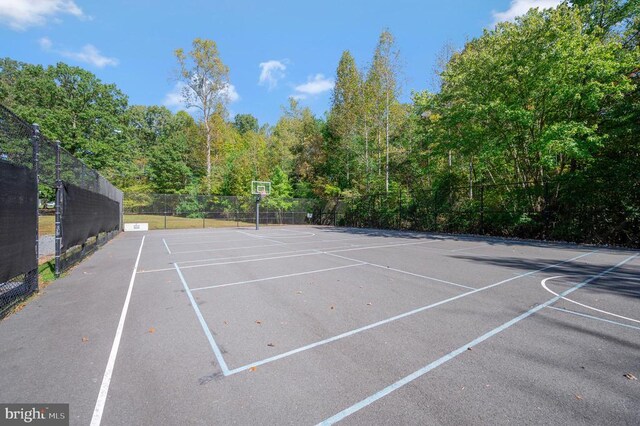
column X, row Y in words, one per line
column 305, row 325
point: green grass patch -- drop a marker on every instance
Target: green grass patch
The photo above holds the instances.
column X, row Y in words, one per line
column 46, row 272
column 176, row 222
column 46, row 225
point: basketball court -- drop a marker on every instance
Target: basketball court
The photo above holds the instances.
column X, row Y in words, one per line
column 310, row 325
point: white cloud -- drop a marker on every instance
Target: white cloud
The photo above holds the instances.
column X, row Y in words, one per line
column 45, row 43
column 174, row 100
column 91, row 55
column 22, row 14
column 271, row 72
column 315, row 85
column 521, row 7
column 231, row 93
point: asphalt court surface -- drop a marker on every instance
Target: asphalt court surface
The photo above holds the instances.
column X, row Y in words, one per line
column 305, row 325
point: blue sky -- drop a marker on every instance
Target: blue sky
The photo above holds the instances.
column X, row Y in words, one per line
column 274, row 49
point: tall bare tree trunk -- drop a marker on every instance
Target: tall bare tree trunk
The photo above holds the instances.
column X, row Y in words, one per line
column 208, row 131
column 379, row 154
column 366, row 150
column 386, row 167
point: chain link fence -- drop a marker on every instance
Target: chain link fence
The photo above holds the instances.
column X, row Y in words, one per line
column 52, row 205
column 171, row 211
column 556, row 211
column 18, row 210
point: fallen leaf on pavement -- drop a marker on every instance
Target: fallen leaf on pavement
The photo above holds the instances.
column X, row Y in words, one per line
column 270, row 344
column 630, row 376
column 252, row 369
column 152, row 330
column 258, row 322
column 85, row 339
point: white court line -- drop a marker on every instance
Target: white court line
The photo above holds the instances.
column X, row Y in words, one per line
column 268, row 245
column 226, row 249
column 346, row 249
column 203, row 324
column 211, row 241
column 544, row 285
column 182, row 262
column 260, row 238
column 166, row 246
column 309, row 235
column 469, row 248
column 315, row 271
column 451, row 355
column 225, row 258
column 106, row 379
column 397, row 317
column 580, row 314
column 232, row 262
column 314, row 253
column 297, row 232
column 196, row 231
column 401, row 271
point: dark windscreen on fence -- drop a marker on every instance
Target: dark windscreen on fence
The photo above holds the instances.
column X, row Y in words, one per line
column 91, row 210
column 86, row 214
column 18, row 210
column 18, row 219
column 37, row 179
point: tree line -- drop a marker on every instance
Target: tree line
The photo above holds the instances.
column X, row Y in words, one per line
column 549, row 99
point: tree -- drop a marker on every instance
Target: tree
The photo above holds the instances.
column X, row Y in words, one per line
column 384, row 90
column 246, row 123
column 346, row 110
column 205, row 80
column 168, row 170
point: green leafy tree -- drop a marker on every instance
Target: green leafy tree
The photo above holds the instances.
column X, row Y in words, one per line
column 205, row 80
column 345, row 114
column 168, row 169
column 246, row 123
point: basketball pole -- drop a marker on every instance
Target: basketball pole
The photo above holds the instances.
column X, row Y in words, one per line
column 258, row 212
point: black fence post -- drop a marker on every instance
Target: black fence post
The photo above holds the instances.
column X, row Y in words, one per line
column 545, row 211
column 58, row 216
column 482, row 209
column 399, row 226
column 165, row 211
column 235, row 204
column 35, row 140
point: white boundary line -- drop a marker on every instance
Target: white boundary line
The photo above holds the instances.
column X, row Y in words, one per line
column 207, row 242
column 424, row 240
column 451, row 355
column 106, row 379
column 544, row 285
column 397, row 317
column 401, row 271
column 278, row 277
column 261, row 238
column 227, row 249
column 580, row 314
column 166, row 246
column 333, row 250
column 203, row 324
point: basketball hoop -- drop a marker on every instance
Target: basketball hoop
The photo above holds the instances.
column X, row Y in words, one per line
column 260, row 189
